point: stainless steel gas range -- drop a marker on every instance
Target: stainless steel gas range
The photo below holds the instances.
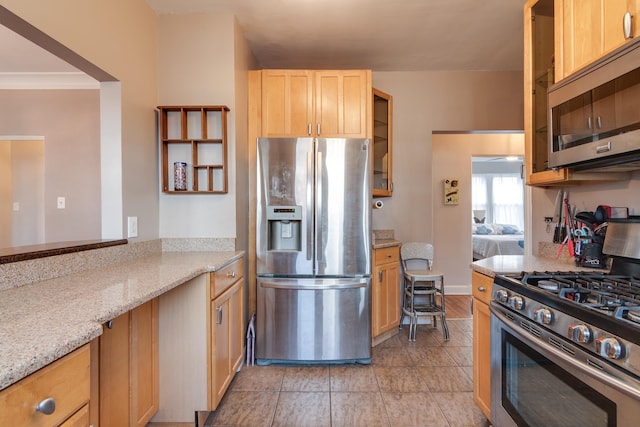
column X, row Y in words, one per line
column 565, row 346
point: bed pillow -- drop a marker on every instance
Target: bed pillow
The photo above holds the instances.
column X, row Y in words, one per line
column 510, row 229
column 484, row 229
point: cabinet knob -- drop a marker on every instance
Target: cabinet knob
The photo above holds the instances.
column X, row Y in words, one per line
column 47, row 406
column 219, row 316
column 109, row 324
column 231, row 274
column 482, row 289
column 318, row 129
column 309, row 129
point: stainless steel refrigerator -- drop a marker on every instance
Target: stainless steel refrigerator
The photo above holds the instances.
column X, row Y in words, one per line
column 313, row 254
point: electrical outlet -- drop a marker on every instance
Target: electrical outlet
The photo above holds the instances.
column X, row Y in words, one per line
column 132, row 226
column 61, row 202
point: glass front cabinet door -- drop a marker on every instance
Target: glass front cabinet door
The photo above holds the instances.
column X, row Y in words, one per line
column 382, row 133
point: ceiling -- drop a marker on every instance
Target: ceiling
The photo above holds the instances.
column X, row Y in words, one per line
column 382, row 35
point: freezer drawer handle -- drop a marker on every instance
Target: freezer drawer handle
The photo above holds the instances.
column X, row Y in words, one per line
column 314, row 287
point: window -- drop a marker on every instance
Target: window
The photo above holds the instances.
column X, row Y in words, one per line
column 501, row 196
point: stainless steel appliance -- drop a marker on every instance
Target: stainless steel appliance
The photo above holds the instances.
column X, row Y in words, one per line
column 565, row 346
column 313, row 254
column 595, row 114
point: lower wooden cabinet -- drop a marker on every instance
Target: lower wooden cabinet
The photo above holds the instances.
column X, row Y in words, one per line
column 64, row 383
column 385, row 292
column 201, row 342
column 128, row 367
column 227, row 325
column 481, row 288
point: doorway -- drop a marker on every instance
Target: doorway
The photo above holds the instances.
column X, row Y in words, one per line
column 452, row 154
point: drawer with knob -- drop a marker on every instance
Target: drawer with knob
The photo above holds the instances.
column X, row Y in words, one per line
column 226, row 276
column 48, row 397
column 481, row 287
column 385, row 255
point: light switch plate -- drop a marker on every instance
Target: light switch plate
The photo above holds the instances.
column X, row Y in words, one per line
column 132, row 229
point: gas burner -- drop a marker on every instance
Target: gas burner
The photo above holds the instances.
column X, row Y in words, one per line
column 548, row 285
column 634, row 315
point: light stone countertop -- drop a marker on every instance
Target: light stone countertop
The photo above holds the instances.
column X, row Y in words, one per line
column 46, row 320
column 385, row 243
column 514, row 264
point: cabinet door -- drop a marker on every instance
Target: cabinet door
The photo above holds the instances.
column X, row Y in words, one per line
column 592, row 29
column 343, row 103
column 385, row 292
column 482, row 356
column 225, row 330
column 382, row 143
column 144, row 363
column 287, row 103
column 129, row 367
column 236, row 337
column 114, row 373
column 582, row 32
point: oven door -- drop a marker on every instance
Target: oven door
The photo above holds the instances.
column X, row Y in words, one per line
column 536, row 380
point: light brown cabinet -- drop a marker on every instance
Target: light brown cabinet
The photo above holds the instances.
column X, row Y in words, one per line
column 227, row 327
column 128, row 359
column 385, row 293
column 481, row 289
column 542, row 67
column 197, row 136
column 202, row 330
column 588, row 30
column 64, row 383
column 323, row 103
column 382, row 144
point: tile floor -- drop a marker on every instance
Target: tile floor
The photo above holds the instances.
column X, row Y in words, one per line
column 423, row 383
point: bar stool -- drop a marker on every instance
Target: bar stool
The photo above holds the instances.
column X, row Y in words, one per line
column 422, row 287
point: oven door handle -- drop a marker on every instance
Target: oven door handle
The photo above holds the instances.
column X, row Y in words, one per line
column 628, row 386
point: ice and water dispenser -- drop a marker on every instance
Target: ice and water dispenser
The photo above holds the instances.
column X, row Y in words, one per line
column 284, row 228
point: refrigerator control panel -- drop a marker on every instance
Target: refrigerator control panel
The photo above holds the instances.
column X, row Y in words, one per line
column 284, row 213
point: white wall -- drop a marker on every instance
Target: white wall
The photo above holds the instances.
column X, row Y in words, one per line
column 452, row 155
column 196, row 66
column 424, row 102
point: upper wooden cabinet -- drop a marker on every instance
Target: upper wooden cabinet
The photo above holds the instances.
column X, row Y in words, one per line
column 382, row 143
column 542, row 68
column 589, row 29
column 539, row 63
column 327, row 103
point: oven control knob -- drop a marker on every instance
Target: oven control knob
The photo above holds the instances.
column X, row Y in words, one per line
column 516, row 302
column 502, row 296
column 543, row 316
column 609, row 348
column 580, row 333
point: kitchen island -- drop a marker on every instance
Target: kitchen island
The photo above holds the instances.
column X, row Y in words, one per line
column 43, row 321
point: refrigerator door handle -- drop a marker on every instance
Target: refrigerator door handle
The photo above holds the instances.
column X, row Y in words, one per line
column 299, row 286
column 319, row 207
column 310, row 221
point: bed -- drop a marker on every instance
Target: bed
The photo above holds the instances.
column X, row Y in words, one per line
column 496, row 239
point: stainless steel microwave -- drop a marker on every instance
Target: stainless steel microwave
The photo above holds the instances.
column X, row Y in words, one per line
column 594, row 114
